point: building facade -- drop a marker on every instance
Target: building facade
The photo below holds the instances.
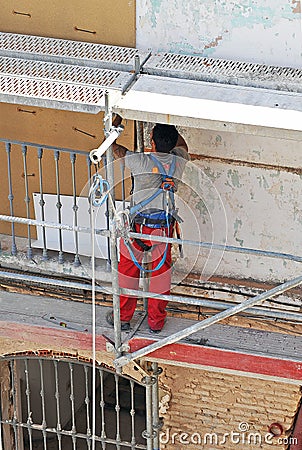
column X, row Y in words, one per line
column 227, row 74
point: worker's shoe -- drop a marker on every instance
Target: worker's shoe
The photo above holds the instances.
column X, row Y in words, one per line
column 154, row 331
column 125, row 326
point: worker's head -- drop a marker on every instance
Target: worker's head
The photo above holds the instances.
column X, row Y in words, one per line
column 164, row 137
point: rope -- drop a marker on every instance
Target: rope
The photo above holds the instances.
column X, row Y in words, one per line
column 98, row 195
column 92, row 203
column 99, row 190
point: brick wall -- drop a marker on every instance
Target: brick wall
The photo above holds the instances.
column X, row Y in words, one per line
column 211, row 402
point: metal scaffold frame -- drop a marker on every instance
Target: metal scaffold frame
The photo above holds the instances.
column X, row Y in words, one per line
column 45, row 72
column 121, row 357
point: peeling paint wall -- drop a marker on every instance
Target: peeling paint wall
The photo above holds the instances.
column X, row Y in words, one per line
column 249, row 195
column 261, row 31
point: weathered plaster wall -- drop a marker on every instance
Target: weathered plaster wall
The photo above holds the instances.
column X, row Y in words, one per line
column 257, row 31
column 248, row 195
column 214, row 410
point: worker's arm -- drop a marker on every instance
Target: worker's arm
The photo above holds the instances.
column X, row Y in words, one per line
column 119, row 151
column 181, row 143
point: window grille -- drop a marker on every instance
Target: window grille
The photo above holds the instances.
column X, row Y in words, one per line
column 46, row 404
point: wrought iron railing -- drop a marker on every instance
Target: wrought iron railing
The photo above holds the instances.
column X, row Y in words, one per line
column 50, row 406
column 47, row 171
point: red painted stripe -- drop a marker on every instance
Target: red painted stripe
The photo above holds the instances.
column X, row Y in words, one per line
column 48, row 337
column 69, row 340
column 213, row 357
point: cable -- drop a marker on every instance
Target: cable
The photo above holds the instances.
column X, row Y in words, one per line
column 92, row 189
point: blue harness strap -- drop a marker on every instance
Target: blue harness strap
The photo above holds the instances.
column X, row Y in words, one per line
column 166, row 185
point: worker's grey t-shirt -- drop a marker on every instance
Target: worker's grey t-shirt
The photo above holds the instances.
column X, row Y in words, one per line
column 147, row 182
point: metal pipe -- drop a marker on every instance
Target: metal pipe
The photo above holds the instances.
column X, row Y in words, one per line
column 281, row 315
column 213, row 246
column 112, row 134
column 148, row 433
column 113, row 236
column 122, row 167
column 155, row 406
column 107, row 219
column 122, row 360
column 58, row 226
column 140, row 136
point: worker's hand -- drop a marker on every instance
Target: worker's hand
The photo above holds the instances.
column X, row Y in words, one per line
column 119, row 151
column 117, row 120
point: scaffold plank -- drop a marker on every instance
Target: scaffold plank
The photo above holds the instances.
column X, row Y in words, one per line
column 70, row 52
column 225, row 71
column 230, row 349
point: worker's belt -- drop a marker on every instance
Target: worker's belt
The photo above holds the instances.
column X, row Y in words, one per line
column 154, row 219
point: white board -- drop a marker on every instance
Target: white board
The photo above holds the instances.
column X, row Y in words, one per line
column 67, row 217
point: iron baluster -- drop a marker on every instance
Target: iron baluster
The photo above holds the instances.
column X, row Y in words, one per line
column 132, row 414
column 57, row 397
column 8, row 148
column 42, row 393
column 15, row 419
column 29, row 412
column 42, row 203
column 87, row 402
column 117, row 409
column 73, row 426
column 27, row 201
column 102, row 405
column 75, row 209
column 59, row 205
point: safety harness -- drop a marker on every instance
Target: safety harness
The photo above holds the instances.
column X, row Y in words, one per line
column 162, row 219
column 168, row 186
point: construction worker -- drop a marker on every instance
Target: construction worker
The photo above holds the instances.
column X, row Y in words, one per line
column 155, row 179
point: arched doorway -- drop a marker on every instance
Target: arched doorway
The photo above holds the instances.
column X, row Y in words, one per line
column 46, row 404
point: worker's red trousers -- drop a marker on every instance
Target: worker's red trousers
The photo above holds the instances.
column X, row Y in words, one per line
column 160, row 281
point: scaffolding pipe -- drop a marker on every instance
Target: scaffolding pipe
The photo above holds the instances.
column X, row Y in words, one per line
column 125, row 359
column 213, row 246
column 113, row 235
column 140, row 136
column 213, row 304
column 148, row 434
column 209, row 245
column 155, row 402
